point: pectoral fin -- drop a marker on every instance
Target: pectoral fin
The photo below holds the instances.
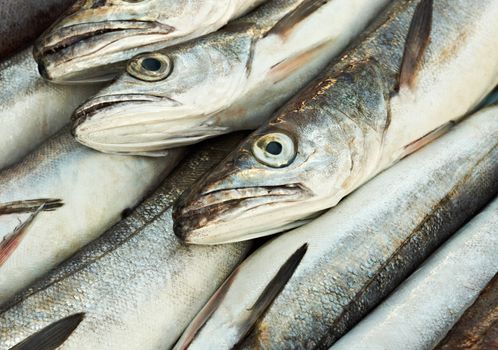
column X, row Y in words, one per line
column 27, row 206
column 416, row 42
column 52, row 336
column 428, row 138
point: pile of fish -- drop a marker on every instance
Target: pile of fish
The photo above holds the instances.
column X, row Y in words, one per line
column 148, row 150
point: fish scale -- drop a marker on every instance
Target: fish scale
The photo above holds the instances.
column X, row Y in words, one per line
column 137, row 285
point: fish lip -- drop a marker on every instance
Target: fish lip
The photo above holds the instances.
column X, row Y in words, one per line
column 64, row 39
column 190, row 216
column 99, row 104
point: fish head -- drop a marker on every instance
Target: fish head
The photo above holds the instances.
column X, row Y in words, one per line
column 95, row 38
column 277, row 179
column 165, row 99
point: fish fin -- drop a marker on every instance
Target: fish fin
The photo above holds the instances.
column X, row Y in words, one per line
column 284, row 26
column 12, row 240
column 52, row 336
column 416, row 42
column 271, row 291
column 286, row 67
column 427, row 138
column 27, row 206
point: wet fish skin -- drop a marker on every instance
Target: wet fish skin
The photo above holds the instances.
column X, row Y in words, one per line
column 348, row 125
column 95, row 38
column 233, row 79
column 138, row 276
column 354, row 261
column 477, row 329
column 95, row 190
column 31, row 110
column 24, row 20
column 424, row 307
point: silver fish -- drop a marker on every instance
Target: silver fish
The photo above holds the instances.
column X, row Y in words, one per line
column 478, row 327
column 136, row 287
column 24, row 20
column 421, row 66
column 230, row 80
column 76, row 194
column 31, row 109
column 96, row 37
column 424, row 308
column 356, row 253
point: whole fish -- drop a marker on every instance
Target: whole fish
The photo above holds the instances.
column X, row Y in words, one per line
column 96, row 37
column 136, row 287
column 354, row 255
column 233, row 79
column 24, row 20
column 425, row 307
column 421, row 66
column 61, row 197
column 31, row 109
column 478, row 327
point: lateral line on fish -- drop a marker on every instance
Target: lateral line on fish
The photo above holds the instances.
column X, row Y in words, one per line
column 52, row 336
column 446, row 199
column 301, row 12
column 30, row 205
column 416, row 42
column 274, row 288
column 12, row 240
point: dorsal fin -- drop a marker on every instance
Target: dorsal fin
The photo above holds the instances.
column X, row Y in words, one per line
column 52, row 336
column 416, row 42
column 30, row 205
column 302, row 11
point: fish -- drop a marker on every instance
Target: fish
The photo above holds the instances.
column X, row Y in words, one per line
column 31, row 109
column 426, row 306
column 477, row 329
column 135, row 287
column 61, row 197
column 359, row 117
column 358, row 252
column 24, row 20
column 230, row 80
column 95, row 38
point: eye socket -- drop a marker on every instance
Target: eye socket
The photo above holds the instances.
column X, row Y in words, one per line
column 275, row 149
column 150, row 66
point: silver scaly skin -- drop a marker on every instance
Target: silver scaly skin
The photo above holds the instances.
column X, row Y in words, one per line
column 24, row 20
column 424, row 308
column 233, row 79
column 32, row 109
column 369, row 109
column 59, row 198
column 357, row 252
column 137, row 285
column 95, row 38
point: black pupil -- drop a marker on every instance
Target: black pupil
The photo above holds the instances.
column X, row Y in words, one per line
column 151, row 64
column 274, row 148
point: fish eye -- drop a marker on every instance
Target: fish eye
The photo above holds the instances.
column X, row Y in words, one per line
column 150, row 67
column 274, row 149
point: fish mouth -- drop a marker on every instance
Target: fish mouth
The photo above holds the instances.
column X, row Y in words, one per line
column 82, row 42
column 208, row 218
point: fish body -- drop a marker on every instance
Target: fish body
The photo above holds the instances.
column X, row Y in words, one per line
column 357, row 252
column 477, row 329
column 424, row 308
column 137, row 285
column 230, row 80
column 80, row 192
column 24, row 20
column 95, row 38
column 419, row 68
column 31, row 109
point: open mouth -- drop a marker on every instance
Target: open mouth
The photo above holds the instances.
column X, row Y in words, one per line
column 68, row 36
column 100, row 104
